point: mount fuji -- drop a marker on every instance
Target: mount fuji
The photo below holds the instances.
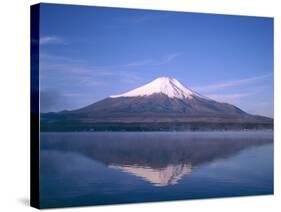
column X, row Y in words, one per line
column 163, row 104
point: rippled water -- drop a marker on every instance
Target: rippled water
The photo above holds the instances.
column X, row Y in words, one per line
column 108, row 168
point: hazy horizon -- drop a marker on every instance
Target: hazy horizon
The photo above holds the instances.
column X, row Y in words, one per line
column 90, row 53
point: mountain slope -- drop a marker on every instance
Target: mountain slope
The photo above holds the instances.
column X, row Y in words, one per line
column 164, row 100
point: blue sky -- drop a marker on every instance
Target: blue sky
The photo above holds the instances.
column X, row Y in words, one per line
column 89, row 53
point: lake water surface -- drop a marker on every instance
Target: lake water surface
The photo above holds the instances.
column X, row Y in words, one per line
column 120, row 167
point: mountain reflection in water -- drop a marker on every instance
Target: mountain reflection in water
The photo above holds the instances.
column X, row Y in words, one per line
column 159, row 158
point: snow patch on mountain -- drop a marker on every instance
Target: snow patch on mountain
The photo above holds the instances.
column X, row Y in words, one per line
column 162, row 85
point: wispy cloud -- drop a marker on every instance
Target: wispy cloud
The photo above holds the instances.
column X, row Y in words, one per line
column 139, row 63
column 58, row 60
column 228, row 97
column 51, row 40
column 233, row 83
column 169, row 58
column 77, row 70
column 154, row 62
column 48, row 57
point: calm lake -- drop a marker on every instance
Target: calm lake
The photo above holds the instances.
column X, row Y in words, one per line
column 119, row 167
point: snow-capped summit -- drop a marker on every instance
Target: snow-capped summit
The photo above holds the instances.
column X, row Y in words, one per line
column 163, row 85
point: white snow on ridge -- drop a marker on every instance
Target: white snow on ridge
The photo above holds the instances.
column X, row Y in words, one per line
column 164, row 85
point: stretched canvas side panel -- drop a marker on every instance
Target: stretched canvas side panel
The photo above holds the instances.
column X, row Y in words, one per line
column 34, row 107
